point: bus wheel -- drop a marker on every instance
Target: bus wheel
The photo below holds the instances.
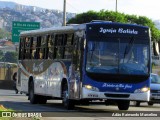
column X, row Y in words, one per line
column 123, row 104
column 150, row 103
column 109, row 102
column 84, row 102
column 32, row 97
column 137, row 103
column 68, row 104
column 42, row 100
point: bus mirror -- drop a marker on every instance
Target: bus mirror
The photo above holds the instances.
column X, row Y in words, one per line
column 155, row 49
column 83, row 44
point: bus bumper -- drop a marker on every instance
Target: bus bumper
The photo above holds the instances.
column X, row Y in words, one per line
column 89, row 94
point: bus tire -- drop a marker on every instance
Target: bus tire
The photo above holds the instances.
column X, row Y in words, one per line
column 150, row 103
column 109, row 102
column 123, row 104
column 138, row 103
column 84, row 102
column 32, row 97
column 42, row 99
column 68, row 103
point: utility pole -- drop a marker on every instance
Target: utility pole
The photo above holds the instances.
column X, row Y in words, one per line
column 116, row 5
column 64, row 13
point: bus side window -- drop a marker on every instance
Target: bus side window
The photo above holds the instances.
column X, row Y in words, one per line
column 43, row 47
column 30, row 48
column 68, row 46
column 50, row 46
column 59, row 46
column 33, row 48
column 37, row 53
column 21, row 50
column 76, row 56
column 27, row 47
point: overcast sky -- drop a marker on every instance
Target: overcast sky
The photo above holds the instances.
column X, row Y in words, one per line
column 148, row 8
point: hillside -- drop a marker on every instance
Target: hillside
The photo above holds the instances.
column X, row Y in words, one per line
column 5, row 4
column 10, row 11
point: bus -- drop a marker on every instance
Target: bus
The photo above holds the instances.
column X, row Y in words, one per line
column 79, row 64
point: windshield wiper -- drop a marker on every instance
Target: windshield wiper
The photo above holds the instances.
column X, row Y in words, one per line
column 92, row 50
column 128, row 48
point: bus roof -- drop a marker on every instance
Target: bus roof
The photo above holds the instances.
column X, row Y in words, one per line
column 65, row 29
column 73, row 28
column 117, row 23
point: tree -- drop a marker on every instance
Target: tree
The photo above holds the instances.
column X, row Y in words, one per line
column 85, row 17
column 117, row 17
column 111, row 16
column 10, row 57
column 4, row 34
column 1, row 55
column 155, row 33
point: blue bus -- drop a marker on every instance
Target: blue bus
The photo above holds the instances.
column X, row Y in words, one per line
column 78, row 64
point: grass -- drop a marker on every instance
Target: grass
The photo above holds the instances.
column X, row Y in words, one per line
column 2, row 108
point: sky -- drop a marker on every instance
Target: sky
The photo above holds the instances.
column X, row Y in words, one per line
column 148, row 8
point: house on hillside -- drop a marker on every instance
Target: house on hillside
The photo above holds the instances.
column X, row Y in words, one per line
column 6, row 46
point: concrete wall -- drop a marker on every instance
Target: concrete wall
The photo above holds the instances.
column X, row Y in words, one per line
column 6, row 81
column 6, row 84
column 7, row 73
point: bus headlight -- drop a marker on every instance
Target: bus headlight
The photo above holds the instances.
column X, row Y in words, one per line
column 89, row 87
column 144, row 89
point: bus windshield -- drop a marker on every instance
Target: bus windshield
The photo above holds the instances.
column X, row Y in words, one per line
column 127, row 55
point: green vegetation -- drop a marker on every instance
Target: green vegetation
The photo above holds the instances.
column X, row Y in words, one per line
column 2, row 108
column 9, row 57
column 117, row 17
column 4, row 34
column 1, row 55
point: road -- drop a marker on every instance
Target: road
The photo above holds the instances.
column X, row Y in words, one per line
column 54, row 108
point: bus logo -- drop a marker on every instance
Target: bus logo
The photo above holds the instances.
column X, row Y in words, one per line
column 119, row 30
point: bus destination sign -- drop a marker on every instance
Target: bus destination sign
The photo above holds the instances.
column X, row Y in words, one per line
column 116, row 29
